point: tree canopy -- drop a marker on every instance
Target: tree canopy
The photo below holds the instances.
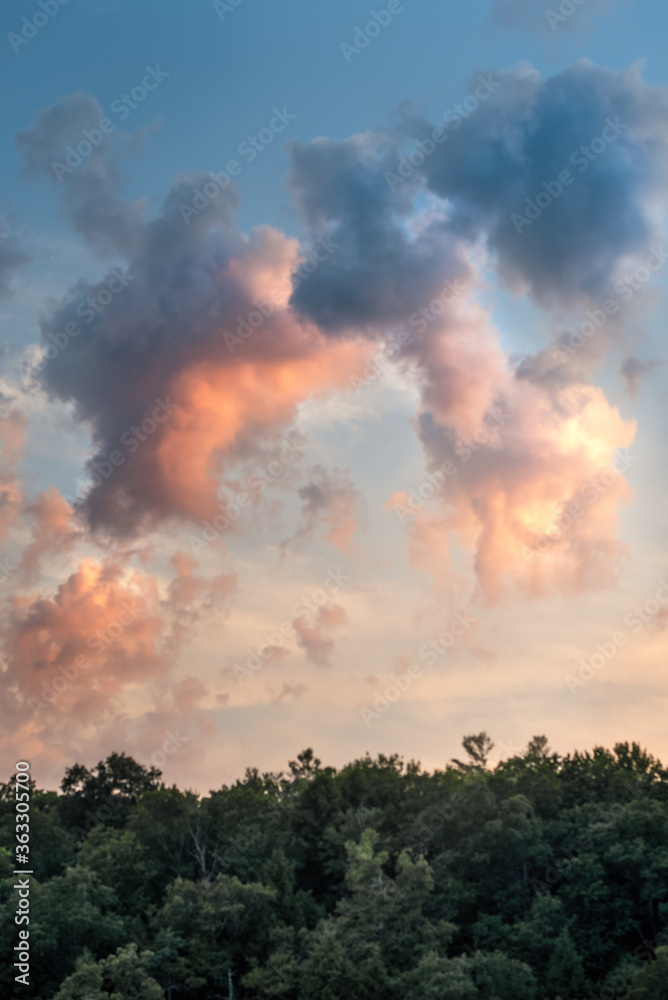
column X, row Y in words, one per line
column 543, row 877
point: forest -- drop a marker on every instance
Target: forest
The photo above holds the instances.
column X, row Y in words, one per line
column 543, row 877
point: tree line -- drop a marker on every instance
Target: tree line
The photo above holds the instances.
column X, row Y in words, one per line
column 544, row 877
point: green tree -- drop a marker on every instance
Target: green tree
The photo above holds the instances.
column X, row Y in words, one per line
column 651, row 982
column 565, row 973
column 123, row 976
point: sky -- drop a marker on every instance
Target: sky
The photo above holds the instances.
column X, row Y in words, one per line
column 332, row 380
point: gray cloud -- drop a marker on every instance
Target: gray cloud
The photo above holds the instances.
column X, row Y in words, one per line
column 91, row 189
column 633, row 370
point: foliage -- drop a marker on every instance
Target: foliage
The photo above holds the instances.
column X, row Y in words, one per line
column 540, row 878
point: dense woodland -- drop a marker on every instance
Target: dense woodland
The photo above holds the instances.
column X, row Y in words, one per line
column 542, row 877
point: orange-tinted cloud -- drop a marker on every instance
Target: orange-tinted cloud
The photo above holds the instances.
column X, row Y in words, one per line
column 105, row 643
column 53, row 530
column 513, row 461
column 12, row 432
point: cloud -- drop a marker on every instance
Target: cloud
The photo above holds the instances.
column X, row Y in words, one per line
column 219, row 328
column 91, row 196
column 329, row 498
column 633, row 370
column 536, row 503
column 381, row 273
column 316, row 639
column 204, row 384
column 12, row 434
column 54, row 531
column 521, row 139
column 103, row 638
column 289, row 690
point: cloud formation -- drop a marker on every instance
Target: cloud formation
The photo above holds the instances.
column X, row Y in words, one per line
column 201, row 360
column 108, row 632
column 189, row 406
